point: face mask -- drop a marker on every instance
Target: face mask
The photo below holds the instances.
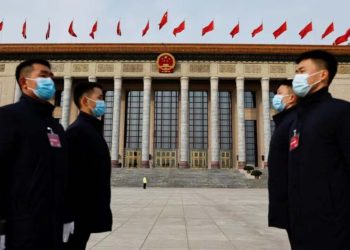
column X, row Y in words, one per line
column 100, row 108
column 45, row 88
column 278, row 104
column 300, row 84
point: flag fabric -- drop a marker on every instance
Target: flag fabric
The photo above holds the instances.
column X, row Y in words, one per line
column 257, row 30
column 328, row 30
column 305, row 30
column 119, row 31
column 235, row 30
column 24, row 29
column 71, row 30
column 93, row 30
column 342, row 38
column 280, row 30
column 145, row 30
column 164, row 20
column 1, row 25
column 179, row 28
column 208, row 28
column 48, row 31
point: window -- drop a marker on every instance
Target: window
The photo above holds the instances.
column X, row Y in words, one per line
column 108, row 118
column 166, row 119
column 250, row 142
column 198, row 119
column 249, row 99
column 225, row 111
column 271, row 95
column 272, row 127
column 134, row 119
column 59, row 98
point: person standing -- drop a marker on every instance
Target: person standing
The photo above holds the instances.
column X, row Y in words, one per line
column 90, row 165
column 33, row 165
column 144, row 180
column 284, row 102
column 319, row 158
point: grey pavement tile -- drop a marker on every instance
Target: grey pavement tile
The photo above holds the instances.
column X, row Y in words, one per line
column 189, row 219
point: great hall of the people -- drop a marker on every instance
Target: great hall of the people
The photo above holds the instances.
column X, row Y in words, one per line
column 174, row 105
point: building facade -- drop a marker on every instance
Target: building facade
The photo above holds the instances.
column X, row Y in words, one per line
column 212, row 110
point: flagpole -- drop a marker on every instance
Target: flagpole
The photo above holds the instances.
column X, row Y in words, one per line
column 2, row 30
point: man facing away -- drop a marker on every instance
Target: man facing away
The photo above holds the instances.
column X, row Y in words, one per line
column 284, row 103
column 90, row 165
column 33, row 164
column 319, row 158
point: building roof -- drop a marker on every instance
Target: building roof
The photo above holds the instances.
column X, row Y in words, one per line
column 150, row 51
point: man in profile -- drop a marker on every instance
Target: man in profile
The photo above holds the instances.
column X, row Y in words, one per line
column 33, row 165
column 90, row 166
column 284, row 102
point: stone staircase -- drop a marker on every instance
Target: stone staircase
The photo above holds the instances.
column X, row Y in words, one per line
column 191, row 178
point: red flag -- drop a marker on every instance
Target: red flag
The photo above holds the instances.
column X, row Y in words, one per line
column 179, row 28
column 119, row 31
column 48, row 31
column 305, row 30
column 71, row 31
column 280, row 30
column 329, row 30
column 235, row 30
column 342, row 38
column 145, row 30
column 257, row 30
column 1, row 25
column 24, row 29
column 208, row 28
column 164, row 20
column 93, row 30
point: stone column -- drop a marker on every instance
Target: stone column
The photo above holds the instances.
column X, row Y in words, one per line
column 67, row 87
column 240, row 122
column 116, row 119
column 266, row 116
column 184, row 126
column 147, row 83
column 214, row 123
column 92, row 79
column 18, row 93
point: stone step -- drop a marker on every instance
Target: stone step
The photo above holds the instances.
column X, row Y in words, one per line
column 175, row 177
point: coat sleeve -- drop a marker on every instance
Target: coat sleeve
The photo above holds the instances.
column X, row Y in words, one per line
column 7, row 142
column 343, row 136
column 75, row 159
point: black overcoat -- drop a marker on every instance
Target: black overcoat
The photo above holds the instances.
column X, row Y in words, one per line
column 319, row 174
column 278, row 169
column 90, row 173
column 33, row 176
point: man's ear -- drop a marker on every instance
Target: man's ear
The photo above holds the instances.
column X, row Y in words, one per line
column 22, row 83
column 83, row 101
column 325, row 75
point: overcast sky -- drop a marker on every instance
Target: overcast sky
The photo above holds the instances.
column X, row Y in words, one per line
column 197, row 13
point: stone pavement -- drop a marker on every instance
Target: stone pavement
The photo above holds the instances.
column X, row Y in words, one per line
column 189, row 218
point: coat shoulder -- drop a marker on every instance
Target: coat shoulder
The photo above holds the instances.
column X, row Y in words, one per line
column 339, row 105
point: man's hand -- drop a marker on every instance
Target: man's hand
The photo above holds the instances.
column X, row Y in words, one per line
column 68, row 229
column 2, row 242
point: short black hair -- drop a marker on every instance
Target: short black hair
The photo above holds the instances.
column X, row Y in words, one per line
column 82, row 89
column 29, row 63
column 287, row 83
column 323, row 59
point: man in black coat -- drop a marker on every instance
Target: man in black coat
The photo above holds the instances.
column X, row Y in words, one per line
column 90, row 162
column 284, row 103
column 319, row 158
column 33, row 164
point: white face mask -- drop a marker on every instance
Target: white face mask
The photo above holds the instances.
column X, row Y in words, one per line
column 301, row 87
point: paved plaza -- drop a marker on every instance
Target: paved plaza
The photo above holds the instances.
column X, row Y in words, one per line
column 186, row 218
